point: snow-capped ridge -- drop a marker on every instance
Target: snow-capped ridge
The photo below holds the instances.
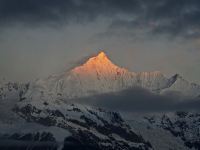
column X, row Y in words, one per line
column 99, row 75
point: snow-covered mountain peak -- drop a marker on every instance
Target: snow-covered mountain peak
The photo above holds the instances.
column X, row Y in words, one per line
column 100, row 63
column 101, row 55
column 99, row 67
column 99, row 59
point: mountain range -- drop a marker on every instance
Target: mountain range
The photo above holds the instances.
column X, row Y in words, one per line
column 99, row 75
column 39, row 114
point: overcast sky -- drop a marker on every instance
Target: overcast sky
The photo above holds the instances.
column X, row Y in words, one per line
column 41, row 37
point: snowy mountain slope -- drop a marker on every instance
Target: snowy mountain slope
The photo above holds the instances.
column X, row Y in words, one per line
column 158, row 137
column 10, row 94
column 99, row 75
column 183, row 86
column 13, row 89
column 83, row 126
column 43, row 123
column 184, row 125
column 180, row 129
column 62, row 125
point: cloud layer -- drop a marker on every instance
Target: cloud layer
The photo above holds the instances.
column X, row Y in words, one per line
column 170, row 17
column 141, row 100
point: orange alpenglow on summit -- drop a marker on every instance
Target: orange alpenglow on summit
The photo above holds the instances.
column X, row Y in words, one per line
column 101, row 55
column 100, row 59
column 97, row 64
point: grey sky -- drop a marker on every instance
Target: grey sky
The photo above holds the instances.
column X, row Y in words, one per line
column 38, row 38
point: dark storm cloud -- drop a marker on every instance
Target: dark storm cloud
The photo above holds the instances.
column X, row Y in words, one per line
column 141, row 100
column 37, row 11
column 174, row 17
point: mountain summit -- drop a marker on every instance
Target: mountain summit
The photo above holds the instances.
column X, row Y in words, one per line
column 101, row 56
column 98, row 66
column 100, row 60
